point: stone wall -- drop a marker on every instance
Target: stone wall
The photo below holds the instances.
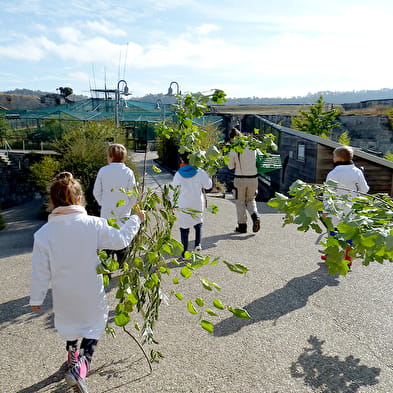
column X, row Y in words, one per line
column 371, row 133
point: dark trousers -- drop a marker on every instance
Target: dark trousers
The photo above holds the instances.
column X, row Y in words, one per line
column 184, row 233
column 88, row 345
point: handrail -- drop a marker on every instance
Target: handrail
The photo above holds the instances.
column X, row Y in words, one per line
column 7, row 147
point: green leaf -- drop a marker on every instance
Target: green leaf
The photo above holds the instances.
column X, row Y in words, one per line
column 122, row 319
column 120, row 202
column 239, row 312
column 211, row 312
column 206, row 284
column 156, row 169
column 191, row 308
column 179, row 295
column 186, row 272
column 213, row 209
column 199, row 301
column 133, row 298
column 237, row 268
column 217, row 304
column 207, row 326
column 175, row 280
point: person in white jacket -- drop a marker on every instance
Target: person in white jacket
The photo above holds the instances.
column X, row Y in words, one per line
column 110, row 187
column 191, row 182
column 110, row 180
column 350, row 181
column 65, row 255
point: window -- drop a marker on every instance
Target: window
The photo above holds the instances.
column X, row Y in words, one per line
column 301, row 151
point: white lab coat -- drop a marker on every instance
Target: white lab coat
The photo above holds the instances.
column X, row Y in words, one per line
column 65, row 254
column 110, row 179
column 191, row 196
column 351, row 177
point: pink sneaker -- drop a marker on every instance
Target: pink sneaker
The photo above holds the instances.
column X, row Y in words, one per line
column 76, row 375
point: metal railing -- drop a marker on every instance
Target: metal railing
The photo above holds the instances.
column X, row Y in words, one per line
column 7, row 147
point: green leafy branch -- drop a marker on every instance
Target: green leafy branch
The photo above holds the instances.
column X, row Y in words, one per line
column 149, row 259
column 366, row 225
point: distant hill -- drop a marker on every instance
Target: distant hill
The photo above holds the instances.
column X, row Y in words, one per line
column 330, row 97
column 39, row 93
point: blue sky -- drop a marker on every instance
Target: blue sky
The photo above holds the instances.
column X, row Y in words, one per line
column 247, row 48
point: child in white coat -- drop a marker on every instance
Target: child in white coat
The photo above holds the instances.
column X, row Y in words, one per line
column 191, row 182
column 352, row 181
column 65, row 255
column 110, row 180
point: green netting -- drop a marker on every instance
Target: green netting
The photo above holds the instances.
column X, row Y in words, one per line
column 95, row 109
column 132, row 114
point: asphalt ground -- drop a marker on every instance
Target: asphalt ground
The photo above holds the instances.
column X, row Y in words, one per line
column 309, row 332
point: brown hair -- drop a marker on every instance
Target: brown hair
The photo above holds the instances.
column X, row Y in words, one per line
column 345, row 153
column 234, row 133
column 117, row 152
column 65, row 190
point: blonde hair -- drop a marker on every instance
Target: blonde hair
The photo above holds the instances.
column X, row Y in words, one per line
column 65, row 190
column 345, row 153
column 117, row 152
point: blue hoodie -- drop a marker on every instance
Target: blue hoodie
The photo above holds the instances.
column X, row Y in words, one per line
column 188, row 171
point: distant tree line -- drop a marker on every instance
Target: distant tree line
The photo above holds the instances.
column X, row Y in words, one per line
column 330, row 97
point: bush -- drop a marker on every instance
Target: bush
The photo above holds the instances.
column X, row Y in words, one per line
column 42, row 172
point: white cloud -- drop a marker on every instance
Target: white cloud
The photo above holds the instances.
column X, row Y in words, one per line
column 69, row 34
column 206, row 28
column 106, row 28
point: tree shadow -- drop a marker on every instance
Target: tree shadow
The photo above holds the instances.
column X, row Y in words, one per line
column 329, row 374
column 293, row 296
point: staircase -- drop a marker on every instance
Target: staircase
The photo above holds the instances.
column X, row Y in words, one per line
column 4, row 158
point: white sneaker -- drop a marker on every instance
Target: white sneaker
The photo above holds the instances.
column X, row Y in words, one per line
column 198, row 248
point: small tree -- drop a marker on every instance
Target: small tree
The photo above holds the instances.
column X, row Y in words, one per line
column 317, row 121
column 388, row 156
column 344, row 139
column 65, row 91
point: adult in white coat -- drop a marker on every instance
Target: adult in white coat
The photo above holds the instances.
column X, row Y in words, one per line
column 245, row 184
column 191, row 182
column 65, row 255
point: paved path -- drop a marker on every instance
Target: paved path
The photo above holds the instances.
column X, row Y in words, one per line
column 310, row 332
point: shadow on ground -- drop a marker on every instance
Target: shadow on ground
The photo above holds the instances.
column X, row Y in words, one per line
column 19, row 311
column 107, row 373
column 327, row 374
column 293, row 296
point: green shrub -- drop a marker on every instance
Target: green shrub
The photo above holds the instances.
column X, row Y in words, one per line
column 42, row 172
